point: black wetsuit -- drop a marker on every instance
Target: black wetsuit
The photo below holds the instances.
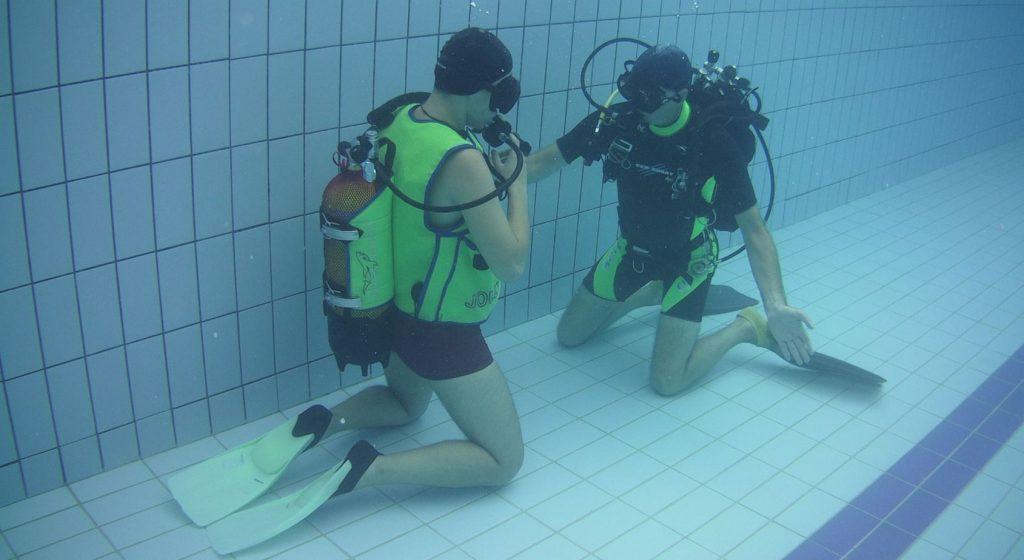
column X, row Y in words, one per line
column 659, row 197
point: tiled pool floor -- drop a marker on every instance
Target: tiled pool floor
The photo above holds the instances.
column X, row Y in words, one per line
column 922, row 283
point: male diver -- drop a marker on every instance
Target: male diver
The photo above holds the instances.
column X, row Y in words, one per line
column 448, row 270
column 674, row 178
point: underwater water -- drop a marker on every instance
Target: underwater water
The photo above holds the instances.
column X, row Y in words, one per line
column 161, row 168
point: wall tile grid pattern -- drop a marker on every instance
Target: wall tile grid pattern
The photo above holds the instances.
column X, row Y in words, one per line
column 161, row 165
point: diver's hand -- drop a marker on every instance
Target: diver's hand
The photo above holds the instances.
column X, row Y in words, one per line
column 504, row 161
column 787, row 327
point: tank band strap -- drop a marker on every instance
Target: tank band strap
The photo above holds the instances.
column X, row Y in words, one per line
column 335, row 230
column 336, row 299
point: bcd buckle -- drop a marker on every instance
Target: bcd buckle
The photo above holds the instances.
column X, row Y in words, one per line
column 618, row 152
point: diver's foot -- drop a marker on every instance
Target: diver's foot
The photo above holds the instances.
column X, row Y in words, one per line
column 360, row 457
column 763, row 336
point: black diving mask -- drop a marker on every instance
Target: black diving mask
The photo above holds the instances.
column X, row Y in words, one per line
column 504, row 93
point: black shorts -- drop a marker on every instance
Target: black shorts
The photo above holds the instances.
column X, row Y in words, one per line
column 439, row 351
column 620, row 273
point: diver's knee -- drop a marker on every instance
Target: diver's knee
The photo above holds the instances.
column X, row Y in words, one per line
column 664, row 388
column 509, row 465
column 567, row 338
column 415, row 405
column 667, row 384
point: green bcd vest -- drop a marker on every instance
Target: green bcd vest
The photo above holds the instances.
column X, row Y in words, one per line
column 439, row 273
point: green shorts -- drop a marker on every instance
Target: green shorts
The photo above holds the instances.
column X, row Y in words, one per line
column 624, row 269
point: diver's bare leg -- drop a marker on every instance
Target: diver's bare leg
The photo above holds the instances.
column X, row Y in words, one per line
column 492, row 453
column 680, row 358
column 402, row 400
column 588, row 314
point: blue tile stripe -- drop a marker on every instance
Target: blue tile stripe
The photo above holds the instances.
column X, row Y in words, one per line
column 885, row 519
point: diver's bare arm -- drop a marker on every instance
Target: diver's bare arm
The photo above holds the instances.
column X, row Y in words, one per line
column 544, row 162
column 764, row 258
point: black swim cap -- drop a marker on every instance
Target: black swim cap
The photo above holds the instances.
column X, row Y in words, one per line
column 664, row 66
column 474, row 59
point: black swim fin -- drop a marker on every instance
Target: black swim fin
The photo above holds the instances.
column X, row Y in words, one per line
column 723, row 299
column 834, row 366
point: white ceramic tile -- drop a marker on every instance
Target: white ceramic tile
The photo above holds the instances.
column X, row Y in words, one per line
column 850, row 479
column 572, row 504
column 1007, row 466
column 984, row 494
column 915, row 424
column 543, row 421
column 942, row 401
column 508, row 538
column 474, row 518
column 179, row 543
column 809, row 512
column 341, row 512
column 589, row 399
column 609, row 364
column 634, row 381
column 375, row 530
column 992, row 540
column 532, row 329
column 784, row 449
column 776, row 494
column 616, row 414
column 501, row 341
column 438, row 502
column 924, row 550
column 86, row 546
column 728, row 529
column 603, row 525
column 585, row 353
column 645, row 430
column 419, row 544
column 35, row 507
column 734, row 381
column 48, row 530
column 145, row 525
column 647, row 540
column 556, row 546
column 770, row 541
column 709, row 461
column 567, row 439
column 557, row 386
column 763, row 395
column 680, row 515
column 317, row 548
column 297, row 535
column 722, row 419
column 530, row 490
column 626, row 474
column 884, row 412
column 658, row 492
column 535, row 372
column 1010, row 510
column 742, row 477
column 517, row 356
column 822, row 422
column 180, row 457
column 125, row 502
column 678, row 445
column 792, row 409
column 689, row 550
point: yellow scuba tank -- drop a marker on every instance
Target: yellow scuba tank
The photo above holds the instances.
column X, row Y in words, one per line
column 355, row 220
